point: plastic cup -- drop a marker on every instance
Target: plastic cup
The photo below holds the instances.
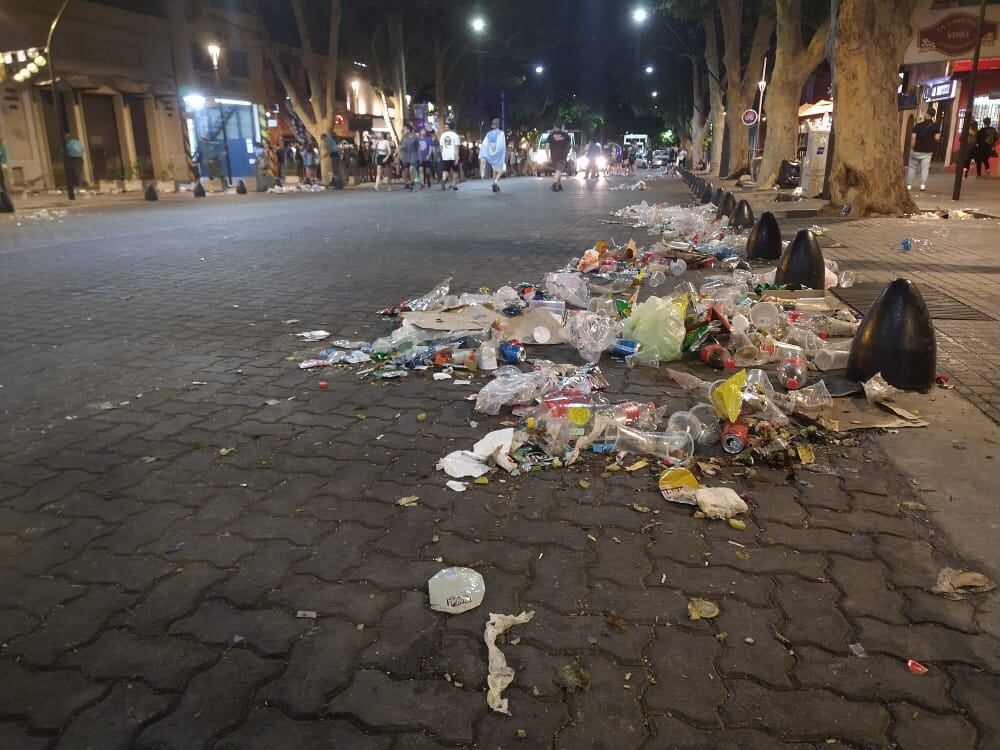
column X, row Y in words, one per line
column 765, row 315
column 677, row 267
column 830, row 359
column 740, row 323
column 710, row 431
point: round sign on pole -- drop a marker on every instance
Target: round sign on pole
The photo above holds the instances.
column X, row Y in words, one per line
column 750, row 117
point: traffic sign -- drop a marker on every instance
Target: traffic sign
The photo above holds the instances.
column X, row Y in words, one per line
column 750, row 117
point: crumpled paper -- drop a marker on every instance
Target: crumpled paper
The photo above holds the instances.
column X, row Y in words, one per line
column 494, row 446
column 719, row 502
column 500, row 675
column 954, row 584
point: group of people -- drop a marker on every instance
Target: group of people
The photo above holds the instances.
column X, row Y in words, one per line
column 981, row 146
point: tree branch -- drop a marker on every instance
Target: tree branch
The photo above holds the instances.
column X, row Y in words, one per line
column 333, row 49
column 761, row 40
column 306, row 110
column 308, row 58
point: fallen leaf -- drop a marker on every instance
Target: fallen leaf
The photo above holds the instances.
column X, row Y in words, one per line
column 617, row 621
column 742, row 554
column 408, row 500
column 573, row 677
column 702, row 609
column 306, row 614
column 642, row 464
column 640, row 508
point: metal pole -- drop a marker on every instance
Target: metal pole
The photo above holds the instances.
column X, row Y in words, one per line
column 225, row 145
column 963, row 148
column 57, row 103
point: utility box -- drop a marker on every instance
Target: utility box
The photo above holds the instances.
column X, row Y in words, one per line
column 814, row 162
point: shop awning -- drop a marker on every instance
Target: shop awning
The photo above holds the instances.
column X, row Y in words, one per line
column 820, row 108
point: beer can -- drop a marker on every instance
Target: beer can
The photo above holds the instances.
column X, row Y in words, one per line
column 735, row 436
column 512, row 352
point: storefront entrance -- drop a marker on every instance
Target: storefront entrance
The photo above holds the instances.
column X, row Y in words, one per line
column 102, row 137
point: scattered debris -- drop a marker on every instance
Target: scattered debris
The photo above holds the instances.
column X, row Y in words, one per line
column 573, row 677
column 456, row 590
column 500, row 674
column 702, row 609
column 955, row 584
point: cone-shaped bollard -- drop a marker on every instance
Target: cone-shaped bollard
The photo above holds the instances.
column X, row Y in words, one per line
column 717, row 196
column 742, row 216
column 241, row 188
column 896, row 338
column 765, row 239
column 802, row 262
column 706, row 193
column 199, row 190
column 726, row 207
column 151, row 194
column 6, row 205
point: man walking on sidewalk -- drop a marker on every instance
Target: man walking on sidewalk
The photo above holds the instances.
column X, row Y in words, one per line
column 923, row 141
column 494, row 151
column 986, row 145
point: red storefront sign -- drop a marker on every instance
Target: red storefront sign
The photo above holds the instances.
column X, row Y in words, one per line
column 955, row 34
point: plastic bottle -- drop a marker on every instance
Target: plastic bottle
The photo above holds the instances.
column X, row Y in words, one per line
column 793, row 373
column 674, row 448
column 716, row 356
column 830, row 359
column 487, row 359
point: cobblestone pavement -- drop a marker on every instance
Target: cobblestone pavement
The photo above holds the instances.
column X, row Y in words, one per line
column 150, row 581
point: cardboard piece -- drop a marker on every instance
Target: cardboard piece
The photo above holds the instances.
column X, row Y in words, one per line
column 845, row 415
column 467, row 319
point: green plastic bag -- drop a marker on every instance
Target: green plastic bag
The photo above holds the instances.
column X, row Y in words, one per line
column 657, row 324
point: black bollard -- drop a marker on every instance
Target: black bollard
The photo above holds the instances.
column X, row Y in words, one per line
column 742, row 216
column 6, row 204
column 706, row 193
column 717, row 196
column 727, row 207
column 241, row 188
column 896, row 338
column 151, row 194
column 802, row 262
column 765, row 239
column 199, row 190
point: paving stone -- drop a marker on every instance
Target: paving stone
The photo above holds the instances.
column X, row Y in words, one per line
column 922, row 730
column 462, row 552
column 144, row 529
column 769, row 560
column 14, row 623
column 929, row 643
column 535, row 533
column 213, row 701
column 36, row 596
column 978, row 693
column 45, row 699
column 714, row 582
column 781, row 714
column 811, row 613
column 70, row 624
column 268, row 729
column 59, row 546
column 221, row 550
column 767, row 659
column 911, row 563
column 681, row 545
column 130, row 572
column 559, row 579
column 320, row 664
column 646, row 606
column 540, row 721
column 672, row 732
column 780, row 504
column 459, row 657
column 875, row 678
column 338, row 552
column 867, row 590
column 357, row 602
column 606, row 718
column 13, row 737
column 269, row 631
column 687, row 683
column 624, row 562
column 114, row 721
column 561, row 634
column 407, row 634
column 535, row 670
column 170, row 599
column 259, row 572
column 377, row 700
column 808, row 539
column 164, row 663
column 388, row 572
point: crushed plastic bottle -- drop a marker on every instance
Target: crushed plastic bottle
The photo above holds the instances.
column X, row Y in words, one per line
column 674, row 448
column 655, row 277
column 793, row 373
column 433, row 300
column 717, row 357
column 456, row 590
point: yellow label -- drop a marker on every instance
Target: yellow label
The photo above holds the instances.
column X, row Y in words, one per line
column 578, row 415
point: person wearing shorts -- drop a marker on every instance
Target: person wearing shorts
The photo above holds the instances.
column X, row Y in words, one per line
column 633, row 154
column 426, row 145
column 559, row 144
column 409, row 156
column 382, row 152
column 450, row 143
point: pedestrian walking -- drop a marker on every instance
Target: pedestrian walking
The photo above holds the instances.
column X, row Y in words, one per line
column 330, row 141
column 74, row 150
column 382, row 153
column 970, row 148
column 986, row 146
column 494, row 151
column 4, row 158
column 426, row 146
column 923, row 141
column 410, row 154
column 558, row 144
column 450, row 163
column 592, row 153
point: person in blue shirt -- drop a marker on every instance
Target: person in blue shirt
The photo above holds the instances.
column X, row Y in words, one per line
column 74, row 150
column 331, row 146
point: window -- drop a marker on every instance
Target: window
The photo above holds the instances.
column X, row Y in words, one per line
column 237, row 63
column 200, row 58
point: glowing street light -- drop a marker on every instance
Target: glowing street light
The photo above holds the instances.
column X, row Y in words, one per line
column 478, row 24
column 655, row 94
column 649, row 69
column 214, row 51
column 640, row 15
column 539, row 69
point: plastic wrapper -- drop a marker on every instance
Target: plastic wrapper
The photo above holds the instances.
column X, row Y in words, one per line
column 591, row 333
column 657, row 324
column 727, row 397
column 456, row 590
column 570, row 287
column 674, row 448
column 500, row 673
column 433, row 300
column 878, row 390
column 522, row 388
column 504, row 297
column 815, row 396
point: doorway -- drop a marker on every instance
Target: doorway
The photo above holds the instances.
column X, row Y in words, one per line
column 140, row 134
column 102, row 137
column 54, row 133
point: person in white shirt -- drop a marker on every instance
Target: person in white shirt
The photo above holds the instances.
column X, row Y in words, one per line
column 383, row 152
column 450, row 165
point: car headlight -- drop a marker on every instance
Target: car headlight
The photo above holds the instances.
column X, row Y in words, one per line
column 582, row 162
column 602, row 162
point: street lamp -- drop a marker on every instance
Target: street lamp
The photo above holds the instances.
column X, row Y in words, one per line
column 478, row 24
column 640, row 15
column 655, row 94
column 539, row 69
column 214, row 51
column 649, row 69
column 356, row 87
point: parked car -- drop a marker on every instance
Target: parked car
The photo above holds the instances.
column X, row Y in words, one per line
column 659, row 159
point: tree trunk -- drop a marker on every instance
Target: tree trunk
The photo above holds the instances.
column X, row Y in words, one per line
column 866, row 42
column 699, row 115
column 793, row 64
column 716, row 108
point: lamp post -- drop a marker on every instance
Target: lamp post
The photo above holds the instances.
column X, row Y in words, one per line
column 963, row 149
column 761, row 86
column 214, row 51
column 57, row 103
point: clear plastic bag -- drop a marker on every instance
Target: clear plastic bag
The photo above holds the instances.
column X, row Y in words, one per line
column 433, row 300
column 815, row 396
column 522, row 388
column 657, row 324
column 591, row 333
column 568, row 286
